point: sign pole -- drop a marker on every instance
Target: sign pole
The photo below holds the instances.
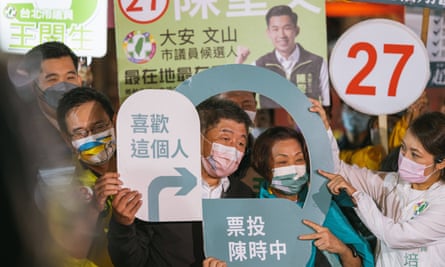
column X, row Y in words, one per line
column 425, row 24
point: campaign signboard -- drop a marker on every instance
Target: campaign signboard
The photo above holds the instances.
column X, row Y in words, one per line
column 435, row 43
column 80, row 24
column 379, row 67
column 158, row 154
column 160, row 44
column 271, row 226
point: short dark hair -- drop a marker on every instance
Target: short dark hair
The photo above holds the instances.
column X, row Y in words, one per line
column 212, row 110
column 33, row 58
column 262, row 148
column 429, row 128
column 77, row 97
column 281, row 10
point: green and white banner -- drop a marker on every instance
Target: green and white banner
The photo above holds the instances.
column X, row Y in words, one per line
column 81, row 24
column 162, row 43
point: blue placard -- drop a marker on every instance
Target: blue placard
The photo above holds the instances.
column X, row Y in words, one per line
column 265, row 82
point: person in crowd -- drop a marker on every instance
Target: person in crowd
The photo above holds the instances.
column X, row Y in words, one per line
column 45, row 72
column 132, row 242
column 308, row 71
column 356, row 129
column 86, row 120
column 281, row 157
column 403, row 209
column 245, row 100
column 25, row 233
column 416, row 109
column 51, row 68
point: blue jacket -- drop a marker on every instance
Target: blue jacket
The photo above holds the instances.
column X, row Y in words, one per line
column 337, row 224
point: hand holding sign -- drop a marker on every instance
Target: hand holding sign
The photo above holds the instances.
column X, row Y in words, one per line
column 125, row 206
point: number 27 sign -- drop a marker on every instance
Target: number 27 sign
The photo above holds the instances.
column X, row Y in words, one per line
column 379, row 66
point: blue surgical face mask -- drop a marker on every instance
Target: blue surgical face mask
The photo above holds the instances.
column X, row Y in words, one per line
column 54, row 93
column 354, row 121
column 290, row 179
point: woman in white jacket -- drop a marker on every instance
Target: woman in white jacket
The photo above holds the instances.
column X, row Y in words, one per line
column 405, row 209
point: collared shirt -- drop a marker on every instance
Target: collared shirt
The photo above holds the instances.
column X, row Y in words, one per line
column 215, row 192
column 290, row 62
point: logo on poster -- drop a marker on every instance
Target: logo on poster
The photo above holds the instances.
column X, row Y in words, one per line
column 139, row 47
column 143, row 12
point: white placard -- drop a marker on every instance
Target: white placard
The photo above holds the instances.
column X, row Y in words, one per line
column 80, row 24
column 379, row 66
column 158, row 154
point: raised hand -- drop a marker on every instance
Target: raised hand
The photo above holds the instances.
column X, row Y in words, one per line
column 337, row 183
column 106, row 186
column 125, row 205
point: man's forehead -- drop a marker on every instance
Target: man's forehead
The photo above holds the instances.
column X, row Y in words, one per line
column 231, row 127
column 240, row 95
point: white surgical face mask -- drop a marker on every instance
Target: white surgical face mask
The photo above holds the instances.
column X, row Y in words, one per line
column 222, row 161
column 96, row 149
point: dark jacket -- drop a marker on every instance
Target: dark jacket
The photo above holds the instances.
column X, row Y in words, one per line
column 305, row 74
column 159, row 244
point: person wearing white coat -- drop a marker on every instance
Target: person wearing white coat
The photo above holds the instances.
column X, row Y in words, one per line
column 404, row 209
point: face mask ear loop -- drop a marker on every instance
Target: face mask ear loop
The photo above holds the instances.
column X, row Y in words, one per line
column 38, row 90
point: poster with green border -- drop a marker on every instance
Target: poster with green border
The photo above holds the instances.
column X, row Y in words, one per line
column 80, row 24
column 160, row 44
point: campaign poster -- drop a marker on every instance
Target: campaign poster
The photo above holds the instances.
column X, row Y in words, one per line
column 162, row 43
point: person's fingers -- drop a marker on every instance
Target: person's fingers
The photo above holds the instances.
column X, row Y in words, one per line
column 118, row 197
column 313, row 225
column 313, row 236
column 327, row 175
column 213, row 262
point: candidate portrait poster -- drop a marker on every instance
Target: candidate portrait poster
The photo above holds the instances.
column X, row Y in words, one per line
column 160, row 44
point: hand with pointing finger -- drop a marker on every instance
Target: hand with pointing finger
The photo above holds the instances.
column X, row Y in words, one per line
column 337, row 183
column 324, row 239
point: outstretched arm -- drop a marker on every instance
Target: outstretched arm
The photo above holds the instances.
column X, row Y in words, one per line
column 325, row 240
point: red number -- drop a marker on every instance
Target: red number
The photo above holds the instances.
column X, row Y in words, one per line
column 354, row 87
column 406, row 51
column 132, row 7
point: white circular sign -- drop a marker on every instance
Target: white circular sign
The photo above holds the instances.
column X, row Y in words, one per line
column 379, row 67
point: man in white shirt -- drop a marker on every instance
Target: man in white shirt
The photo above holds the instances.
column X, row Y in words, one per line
column 308, row 71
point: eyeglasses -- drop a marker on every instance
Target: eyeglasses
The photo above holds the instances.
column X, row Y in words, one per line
column 97, row 128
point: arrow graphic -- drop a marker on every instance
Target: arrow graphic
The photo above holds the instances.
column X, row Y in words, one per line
column 186, row 181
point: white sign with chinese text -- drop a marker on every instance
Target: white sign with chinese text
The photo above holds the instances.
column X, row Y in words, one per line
column 158, row 154
column 80, row 24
